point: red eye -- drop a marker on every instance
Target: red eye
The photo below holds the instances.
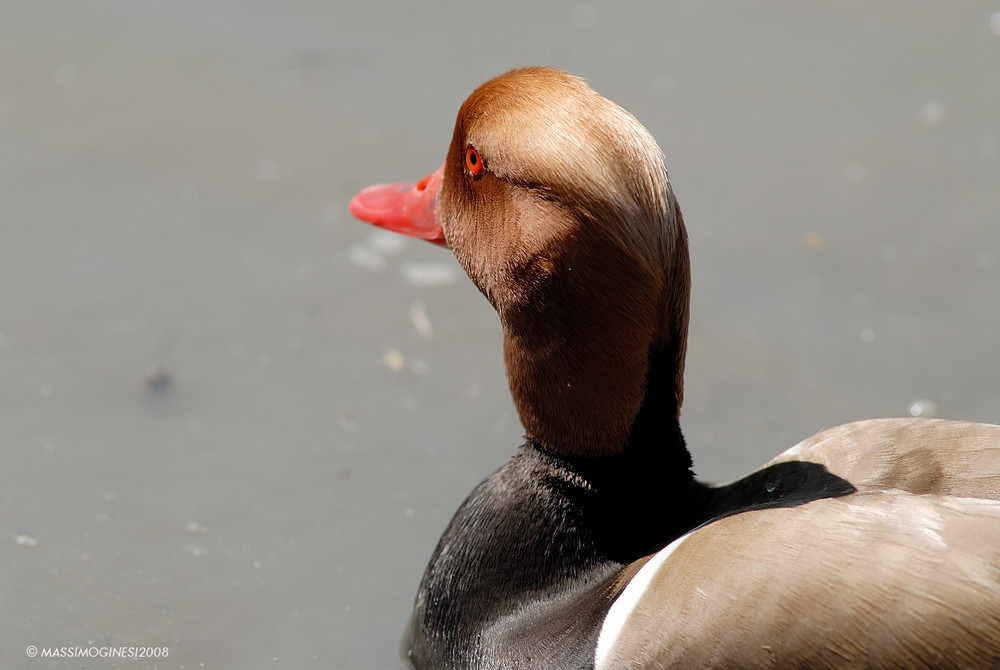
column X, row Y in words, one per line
column 473, row 161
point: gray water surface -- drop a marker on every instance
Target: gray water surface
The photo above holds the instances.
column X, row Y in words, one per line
column 234, row 421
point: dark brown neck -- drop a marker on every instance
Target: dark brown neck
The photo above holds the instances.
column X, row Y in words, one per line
column 594, row 350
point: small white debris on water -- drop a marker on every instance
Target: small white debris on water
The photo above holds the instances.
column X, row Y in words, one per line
column 867, row 335
column 394, row 360
column 345, row 419
column 429, row 274
column 995, row 23
column 371, row 254
column 25, row 540
column 421, row 322
column 385, row 242
column 365, row 258
column 925, row 407
column 195, row 550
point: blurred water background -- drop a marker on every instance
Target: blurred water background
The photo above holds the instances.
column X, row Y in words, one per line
column 234, row 421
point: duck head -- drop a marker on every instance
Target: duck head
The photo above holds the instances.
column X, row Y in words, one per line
column 557, row 204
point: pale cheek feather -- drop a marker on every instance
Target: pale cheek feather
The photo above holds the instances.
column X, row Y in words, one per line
column 624, row 606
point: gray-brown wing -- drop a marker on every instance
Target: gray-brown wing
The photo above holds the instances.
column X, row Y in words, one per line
column 916, row 455
column 880, row 580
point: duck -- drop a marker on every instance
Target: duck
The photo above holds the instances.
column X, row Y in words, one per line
column 874, row 544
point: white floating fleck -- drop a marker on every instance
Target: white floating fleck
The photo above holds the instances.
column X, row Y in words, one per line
column 420, row 366
column 422, row 323
column 394, row 360
column 345, row 419
column 195, row 550
column 385, row 242
column 925, row 407
column 429, row 274
column 347, row 423
column 25, row 540
column 995, row 23
column 195, row 527
column 409, row 512
column 365, row 258
column 867, row 335
column 932, row 113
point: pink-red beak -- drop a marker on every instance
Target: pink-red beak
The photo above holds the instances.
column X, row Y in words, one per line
column 410, row 209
